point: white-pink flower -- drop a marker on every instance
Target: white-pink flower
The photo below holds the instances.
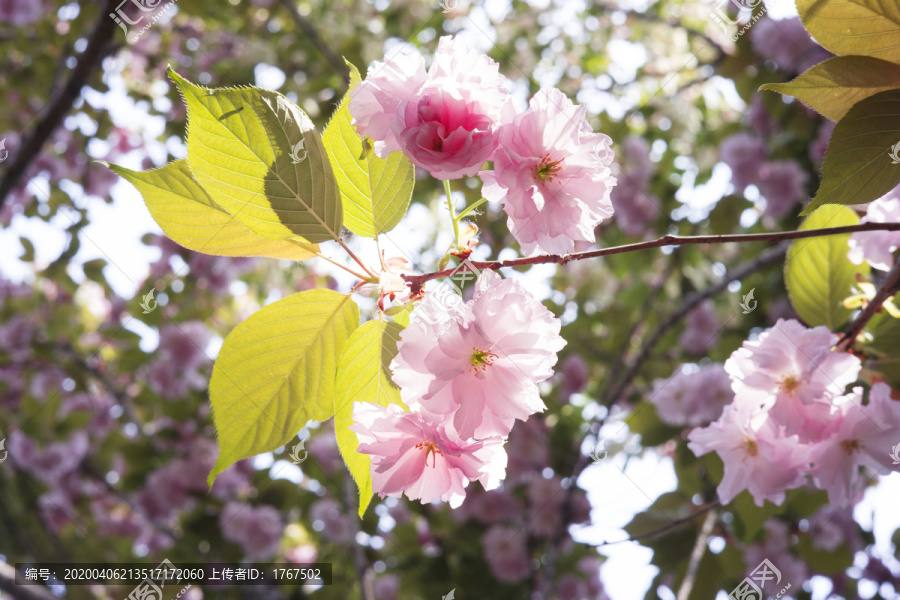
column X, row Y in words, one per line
column 876, row 247
column 864, row 437
column 445, row 120
column 756, row 456
column 692, row 397
column 422, row 456
column 791, row 363
column 480, row 364
column 552, row 174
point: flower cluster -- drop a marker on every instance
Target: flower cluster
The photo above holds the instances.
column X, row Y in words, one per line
column 876, row 247
column 791, row 418
column 550, row 171
column 465, row 392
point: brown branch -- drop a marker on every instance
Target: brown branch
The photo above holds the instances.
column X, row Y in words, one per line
column 687, row 584
column 316, row 40
column 417, row 281
column 666, row 528
column 890, row 287
column 96, row 50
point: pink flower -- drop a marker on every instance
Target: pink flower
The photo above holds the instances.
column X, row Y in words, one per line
column 486, row 361
column 420, row 455
column 863, row 438
column 551, row 172
column 791, row 363
column 692, row 397
column 744, row 154
column 256, row 529
column 504, row 549
column 755, row 456
column 876, row 247
column 783, row 183
column 702, row 331
column 444, row 120
column 787, row 43
column 20, row 12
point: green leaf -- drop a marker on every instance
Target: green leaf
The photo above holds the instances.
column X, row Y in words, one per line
column 832, row 87
column 363, row 375
column 870, row 27
column 750, row 518
column 818, row 275
column 190, row 217
column 276, row 371
column 375, row 191
column 858, row 166
column 885, row 331
column 245, row 147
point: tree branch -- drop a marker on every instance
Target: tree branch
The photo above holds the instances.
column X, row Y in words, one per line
column 687, row 584
column 97, row 48
column 666, row 528
column 890, row 287
column 417, row 281
column 316, row 40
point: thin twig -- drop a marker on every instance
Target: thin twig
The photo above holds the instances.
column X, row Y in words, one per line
column 417, row 281
column 666, row 528
column 312, row 34
column 687, row 584
column 98, row 46
column 890, row 287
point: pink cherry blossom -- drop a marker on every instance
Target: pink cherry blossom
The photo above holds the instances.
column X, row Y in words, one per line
column 783, row 183
column 256, row 529
column 444, row 120
column 420, row 455
column 876, row 247
column 787, row 43
column 864, row 437
column 692, row 397
column 793, row 363
column 634, row 207
column 744, row 154
column 489, row 356
column 504, row 549
column 755, row 456
column 552, row 174
column 20, row 12
column 702, row 329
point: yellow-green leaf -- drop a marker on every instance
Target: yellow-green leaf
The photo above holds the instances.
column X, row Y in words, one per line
column 262, row 159
column 190, row 217
column 276, row 371
column 832, row 87
column 375, row 191
column 363, row 375
column 818, row 275
column 858, row 167
column 870, row 27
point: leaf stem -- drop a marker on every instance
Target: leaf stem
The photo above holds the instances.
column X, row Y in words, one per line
column 344, row 267
column 356, row 258
column 453, row 216
column 470, row 208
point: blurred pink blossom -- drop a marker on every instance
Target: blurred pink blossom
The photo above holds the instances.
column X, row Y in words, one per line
column 257, row 530
column 694, row 398
column 504, row 549
column 745, row 155
column 783, row 184
column 877, row 247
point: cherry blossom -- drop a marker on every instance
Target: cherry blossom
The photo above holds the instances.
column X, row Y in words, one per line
column 444, row 120
column 420, row 455
column 551, row 173
column 692, row 397
column 876, row 247
column 489, row 356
